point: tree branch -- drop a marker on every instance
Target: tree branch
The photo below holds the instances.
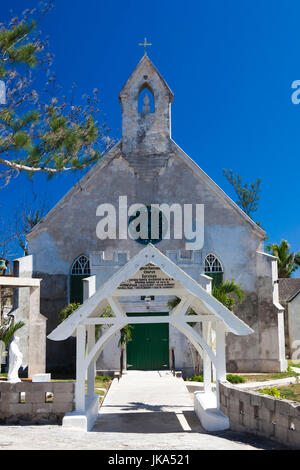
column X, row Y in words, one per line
column 19, row 166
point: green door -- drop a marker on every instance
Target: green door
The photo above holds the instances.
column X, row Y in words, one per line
column 76, row 288
column 149, row 347
column 217, row 278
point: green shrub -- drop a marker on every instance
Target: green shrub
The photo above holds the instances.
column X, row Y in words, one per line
column 103, row 378
column 235, row 379
column 67, row 311
column 273, row 391
column 196, row 378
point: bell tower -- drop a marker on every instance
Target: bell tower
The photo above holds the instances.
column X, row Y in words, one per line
column 146, row 112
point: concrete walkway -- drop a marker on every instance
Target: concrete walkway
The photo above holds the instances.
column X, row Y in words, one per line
column 144, row 410
column 154, row 410
column 140, row 393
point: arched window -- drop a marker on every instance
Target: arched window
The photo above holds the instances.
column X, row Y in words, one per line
column 214, row 269
column 80, row 266
column 80, row 270
column 146, row 101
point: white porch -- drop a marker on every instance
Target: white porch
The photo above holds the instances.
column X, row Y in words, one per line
column 148, row 273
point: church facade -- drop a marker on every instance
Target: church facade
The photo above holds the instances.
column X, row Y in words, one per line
column 148, row 168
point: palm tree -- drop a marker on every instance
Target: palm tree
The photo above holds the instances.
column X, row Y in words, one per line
column 7, row 329
column 288, row 261
column 222, row 292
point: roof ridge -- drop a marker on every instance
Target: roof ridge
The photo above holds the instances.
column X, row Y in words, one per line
column 218, row 190
column 77, row 186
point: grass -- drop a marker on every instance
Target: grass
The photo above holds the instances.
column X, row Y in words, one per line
column 290, row 392
column 294, row 364
column 272, row 376
column 101, row 382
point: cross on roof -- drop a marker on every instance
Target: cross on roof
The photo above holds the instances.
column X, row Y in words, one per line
column 145, row 44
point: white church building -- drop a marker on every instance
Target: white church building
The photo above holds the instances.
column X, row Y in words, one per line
column 146, row 167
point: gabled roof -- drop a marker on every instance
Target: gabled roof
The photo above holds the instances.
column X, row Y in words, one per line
column 217, row 190
column 150, row 255
column 92, row 173
column 116, row 151
column 288, row 288
column 144, row 63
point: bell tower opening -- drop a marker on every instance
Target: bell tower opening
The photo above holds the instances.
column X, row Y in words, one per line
column 146, row 112
column 146, row 103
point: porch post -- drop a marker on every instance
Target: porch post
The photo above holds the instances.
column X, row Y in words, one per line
column 220, row 357
column 80, row 369
column 36, row 334
column 206, row 359
column 91, row 368
column 89, row 289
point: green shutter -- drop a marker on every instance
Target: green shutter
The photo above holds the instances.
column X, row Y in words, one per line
column 76, row 288
column 217, row 278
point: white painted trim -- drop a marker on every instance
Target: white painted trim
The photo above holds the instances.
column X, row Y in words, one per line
column 146, row 292
column 116, row 307
column 102, row 341
column 80, row 369
column 152, row 255
column 149, row 319
column 206, row 360
column 194, row 337
column 181, row 308
column 89, row 287
column 7, row 281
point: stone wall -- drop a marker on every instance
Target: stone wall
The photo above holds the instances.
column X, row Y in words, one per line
column 27, row 309
column 260, row 414
column 293, row 310
column 33, row 402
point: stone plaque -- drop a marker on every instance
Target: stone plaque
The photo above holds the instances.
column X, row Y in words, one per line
column 149, row 277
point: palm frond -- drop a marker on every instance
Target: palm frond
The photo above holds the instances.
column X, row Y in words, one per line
column 224, row 291
column 173, row 302
column 288, row 262
column 8, row 330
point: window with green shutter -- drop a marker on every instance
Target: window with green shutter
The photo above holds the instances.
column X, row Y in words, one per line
column 80, row 270
column 214, row 269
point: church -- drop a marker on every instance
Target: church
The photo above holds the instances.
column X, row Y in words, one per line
column 147, row 168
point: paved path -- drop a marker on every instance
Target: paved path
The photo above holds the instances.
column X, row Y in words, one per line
column 144, row 410
column 154, row 410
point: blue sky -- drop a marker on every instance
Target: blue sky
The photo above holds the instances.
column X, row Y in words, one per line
column 230, row 65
